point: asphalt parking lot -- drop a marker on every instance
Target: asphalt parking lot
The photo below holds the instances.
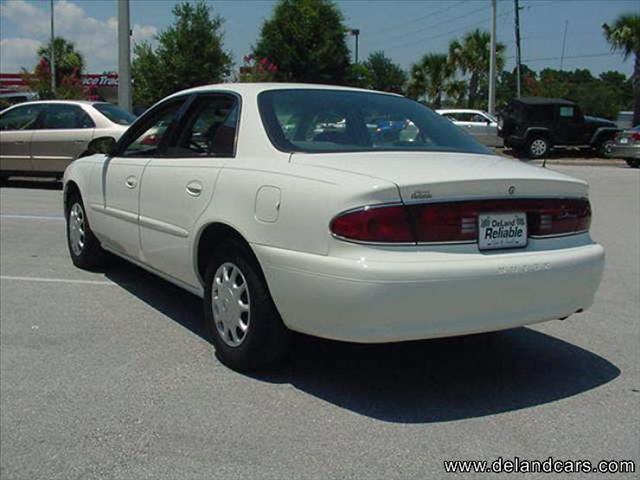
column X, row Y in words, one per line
column 108, row 374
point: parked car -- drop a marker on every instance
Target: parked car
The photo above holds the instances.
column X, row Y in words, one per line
column 533, row 126
column 42, row 138
column 347, row 237
column 625, row 120
column 13, row 98
column 627, row 146
column 482, row 125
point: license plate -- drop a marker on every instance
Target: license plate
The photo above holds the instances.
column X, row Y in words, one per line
column 502, row 230
column 624, row 140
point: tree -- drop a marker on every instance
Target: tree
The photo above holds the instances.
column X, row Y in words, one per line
column 472, row 56
column 189, row 53
column 385, row 75
column 432, row 78
column 69, row 65
column 306, row 40
column 624, row 37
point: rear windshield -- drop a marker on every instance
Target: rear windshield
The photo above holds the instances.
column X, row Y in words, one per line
column 313, row 121
column 115, row 114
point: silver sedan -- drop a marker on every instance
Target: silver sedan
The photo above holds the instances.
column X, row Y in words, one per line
column 43, row 138
column 627, row 146
column 480, row 124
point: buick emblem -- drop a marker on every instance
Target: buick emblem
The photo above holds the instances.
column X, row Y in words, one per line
column 511, row 190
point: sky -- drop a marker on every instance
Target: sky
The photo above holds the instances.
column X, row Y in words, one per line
column 404, row 30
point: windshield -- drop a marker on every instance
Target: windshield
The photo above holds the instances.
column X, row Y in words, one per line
column 115, row 114
column 312, row 121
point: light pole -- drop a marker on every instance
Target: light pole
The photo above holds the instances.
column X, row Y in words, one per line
column 355, row 32
column 52, row 56
column 124, row 56
column 492, row 61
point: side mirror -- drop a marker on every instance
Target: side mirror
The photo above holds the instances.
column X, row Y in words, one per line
column 105, row 145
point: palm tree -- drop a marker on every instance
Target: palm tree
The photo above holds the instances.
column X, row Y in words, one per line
column 69, row 62
column 432, row 77
column 624, row 37
column 472, row 57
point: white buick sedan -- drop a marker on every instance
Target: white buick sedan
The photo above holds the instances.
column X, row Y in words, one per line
column 336, row 212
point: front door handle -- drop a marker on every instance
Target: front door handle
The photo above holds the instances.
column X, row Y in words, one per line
column 131, row 182
column 194, row 188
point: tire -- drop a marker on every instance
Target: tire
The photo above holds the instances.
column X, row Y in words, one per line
column 538, row 147
column 84, row 247
column 603, row 149
column 633, row 163
column 247, row 337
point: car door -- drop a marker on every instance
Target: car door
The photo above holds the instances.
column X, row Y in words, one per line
column 485, row 129
column 16, row 129
column 116, row 184
column 64, row 132
column 178, row 186
column 570, row 125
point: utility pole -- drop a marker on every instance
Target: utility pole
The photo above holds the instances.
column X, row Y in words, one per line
column 355, row 32
column 52, row 55
column 564, row 42
column 124, row 56
column 517, row 23
column 492, row 60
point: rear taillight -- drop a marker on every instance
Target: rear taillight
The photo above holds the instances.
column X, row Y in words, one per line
column 387, row 224
column 635, row 136
column 457, row 221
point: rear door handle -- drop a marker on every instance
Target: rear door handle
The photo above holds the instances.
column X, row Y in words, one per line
column 194, row 188
column 131, row 182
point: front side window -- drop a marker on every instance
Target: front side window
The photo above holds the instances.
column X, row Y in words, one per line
column 566, row 112
column 62, row 117
column 209, row 130
column 148, row 136
column 20, row 118
column 115, row 114
column 314, row 120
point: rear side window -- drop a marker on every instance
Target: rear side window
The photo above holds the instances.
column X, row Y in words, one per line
column 115, row 114
column 542, row 114
column 62, row 117
column 209, row 129
column 20, row 118
column 315, row 120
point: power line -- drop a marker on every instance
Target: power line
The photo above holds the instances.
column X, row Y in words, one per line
column 415, row 20
column 456, row 30
column 435, row 26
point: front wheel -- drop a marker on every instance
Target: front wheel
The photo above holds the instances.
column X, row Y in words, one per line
column 538, row 147
column 84, row 247
column 240, row 316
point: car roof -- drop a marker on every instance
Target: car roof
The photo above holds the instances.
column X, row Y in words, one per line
column 62, row 102
column 256, row 88
column 459, row 110
column 544, row 101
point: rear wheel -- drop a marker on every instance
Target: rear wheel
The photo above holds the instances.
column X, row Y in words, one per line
column 633, row 163
column 538, row 147
column 603, row 149
column 84, row 247
column 240, row 316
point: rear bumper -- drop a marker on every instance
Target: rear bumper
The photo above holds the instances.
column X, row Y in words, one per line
column 619, row 151
column 362, row 301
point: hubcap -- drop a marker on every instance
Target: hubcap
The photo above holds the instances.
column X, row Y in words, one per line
column 538, row 147
column 231, row 304
column 77, row 228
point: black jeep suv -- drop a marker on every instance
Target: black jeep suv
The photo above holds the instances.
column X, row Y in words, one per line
column 532, row 126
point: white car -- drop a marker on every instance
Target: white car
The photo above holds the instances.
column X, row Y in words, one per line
column 335, row 233
column 43, row 138
column 482, row 125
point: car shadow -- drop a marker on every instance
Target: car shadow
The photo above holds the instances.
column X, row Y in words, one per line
column 33, row 183
column 411, row 382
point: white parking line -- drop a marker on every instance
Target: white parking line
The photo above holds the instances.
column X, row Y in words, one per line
column 32, row 217
column 56, row 280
